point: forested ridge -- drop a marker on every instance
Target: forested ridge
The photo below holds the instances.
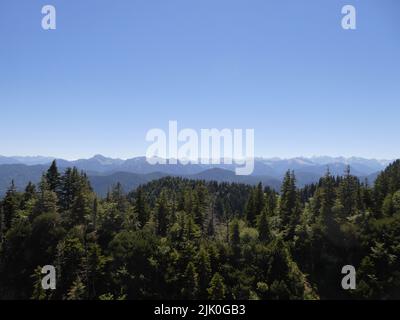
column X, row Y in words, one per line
column 176, row 238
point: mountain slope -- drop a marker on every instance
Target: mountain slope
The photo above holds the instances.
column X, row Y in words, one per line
column 221, row 175
column 129, row 181
column 106, row 172
column 21, row 174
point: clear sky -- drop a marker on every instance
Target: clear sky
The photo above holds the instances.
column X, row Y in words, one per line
column 112, row 70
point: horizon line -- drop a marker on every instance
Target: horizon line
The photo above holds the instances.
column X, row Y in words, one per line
column 179, row 159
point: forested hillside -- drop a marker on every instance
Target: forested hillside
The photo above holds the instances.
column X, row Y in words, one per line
column 177, row 238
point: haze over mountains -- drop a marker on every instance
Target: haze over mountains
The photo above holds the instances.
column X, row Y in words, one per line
column 105, row 172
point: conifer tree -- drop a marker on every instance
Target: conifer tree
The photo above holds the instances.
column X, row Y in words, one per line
column 81, row 210
column 259, row 201
column 216, row 290
column 190, row 282
column 326, row 197
column 263, row 227
column 53, row 177
column 191, row 229
column 77, row 290
column 141, row 208
column 199, row 205
column 251, row 209
column 162, row 215
column 47, row 200
column 235, row 241
column 204, row 271
column 10, row 206
column 30, row 192
column 289, row 206
column 95, row 213
column 347, row 194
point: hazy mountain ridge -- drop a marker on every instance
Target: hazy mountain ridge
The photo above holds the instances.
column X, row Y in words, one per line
column 104, row 172
column 264, row 166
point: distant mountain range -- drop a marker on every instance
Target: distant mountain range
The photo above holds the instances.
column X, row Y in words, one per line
column 105, row 172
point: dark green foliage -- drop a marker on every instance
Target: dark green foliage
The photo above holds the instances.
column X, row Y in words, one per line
column 141, row 208
column 216, row 291
column 235, row 242
column 289, row 206
column 388, row 182
column 181, row 239
column 263, row 227
column 190, row 283
column 10, row 206
column 53, row 177
column 204, row 271
column 162, row 215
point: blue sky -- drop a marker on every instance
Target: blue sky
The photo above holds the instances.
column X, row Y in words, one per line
column 115, row 69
